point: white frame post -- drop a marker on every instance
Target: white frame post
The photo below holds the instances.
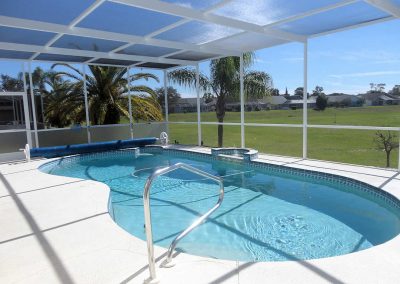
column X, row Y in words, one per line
column 129, row 101
column 166, row 100
column 241, row 76
column 33, row 105
column 398, row 162
column 198, row 105
column 305, row 99
column 26, row 109
column 42, row 109
column 89, row 138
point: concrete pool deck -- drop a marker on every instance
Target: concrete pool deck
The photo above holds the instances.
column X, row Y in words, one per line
column 57, row 229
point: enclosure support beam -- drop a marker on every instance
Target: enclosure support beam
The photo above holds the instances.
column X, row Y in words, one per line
column 198, row 105
column 33, row 105
column 89, row 138
column 42, row 108
column 398, row 162
column 130, row 101
column 241, row 76
column 26, row 109
column 305, row 99
column 166, row 99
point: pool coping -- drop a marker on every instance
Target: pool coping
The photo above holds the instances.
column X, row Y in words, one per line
column 377, row 264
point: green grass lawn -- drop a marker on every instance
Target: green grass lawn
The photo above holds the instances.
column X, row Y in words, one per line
column 349, row 146
column 370, row 116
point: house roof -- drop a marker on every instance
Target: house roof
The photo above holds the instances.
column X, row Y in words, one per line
column 188, row 101
column 276, row 100
column 165, row 34
column 309, row 101
column 340, row 98
column 387, row 98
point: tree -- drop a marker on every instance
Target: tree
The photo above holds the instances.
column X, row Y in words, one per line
column 299, row 91
column 386, row 142
column 172, row 95
column 208, row 97
column 8, row 83
column 379, row 88
column 395, row 90
column 107, row 89
column 64, row 103
column 274, row 92
column 321, row 102
column 318, row 91
column 224, row 83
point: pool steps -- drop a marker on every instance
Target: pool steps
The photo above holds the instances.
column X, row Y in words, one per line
column 147, row 214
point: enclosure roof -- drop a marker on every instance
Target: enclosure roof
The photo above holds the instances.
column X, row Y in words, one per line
column 168, row 33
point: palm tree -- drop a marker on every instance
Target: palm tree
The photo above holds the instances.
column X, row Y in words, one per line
column 224, row 83
column 65, row 94
column 107, row 89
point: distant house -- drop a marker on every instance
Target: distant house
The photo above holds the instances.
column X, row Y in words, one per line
column 294, row 97
column 183, row 105
column 256, row 105
column 233, row 106
column 298, row 104
column 277, row 102
column 11, row 113
column 207, row 107
column 344, row 100
column 379, row 99
column 388, row 100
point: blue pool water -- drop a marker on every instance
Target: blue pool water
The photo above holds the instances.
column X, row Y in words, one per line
column 264, row 216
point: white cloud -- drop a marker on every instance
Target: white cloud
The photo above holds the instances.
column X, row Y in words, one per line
column 203, row 33
column 365, row 74
column 293, row 59
column 261, row 61
column 184, row 4
column 260, row 12
column 363, row 55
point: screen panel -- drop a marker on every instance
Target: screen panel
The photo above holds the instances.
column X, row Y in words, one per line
column 357, row 13
column 197, row 33
column 247, row 41
column 156, row 65
column 45, row 10
column 12, row 54
column 87, row 43
column 147, row 50
column 263, row 12
column 24, row 36
column 193, row 56
column 194, row 4
column 130, row 20
column 61, row 58
column 114, row 61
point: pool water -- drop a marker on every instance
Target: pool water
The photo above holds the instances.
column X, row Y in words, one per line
column 264, row 216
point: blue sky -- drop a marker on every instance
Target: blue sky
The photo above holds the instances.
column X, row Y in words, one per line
column 342, row 62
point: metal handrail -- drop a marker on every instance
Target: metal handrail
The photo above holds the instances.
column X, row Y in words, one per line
column 147, row 212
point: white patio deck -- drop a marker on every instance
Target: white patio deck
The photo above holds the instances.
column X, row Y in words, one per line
column 57, row 229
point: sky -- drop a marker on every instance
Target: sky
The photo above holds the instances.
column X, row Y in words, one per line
column 342, row 62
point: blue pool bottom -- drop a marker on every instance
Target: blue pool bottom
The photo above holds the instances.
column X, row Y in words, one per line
column 266, row 215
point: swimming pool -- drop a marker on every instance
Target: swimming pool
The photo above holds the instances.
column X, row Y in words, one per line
column 269, row 213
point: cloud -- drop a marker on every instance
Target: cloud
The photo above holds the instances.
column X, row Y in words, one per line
column 365, row 74
column 184, row 4
column 363, row 55
column 202, row 33
column 261, row 61
column 260, row 12
column 293, row 59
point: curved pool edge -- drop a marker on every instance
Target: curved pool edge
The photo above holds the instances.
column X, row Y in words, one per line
column 378, row 263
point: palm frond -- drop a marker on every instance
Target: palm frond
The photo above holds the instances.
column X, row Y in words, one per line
column 145, row 76
column 68, row 66
column 187, row 78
